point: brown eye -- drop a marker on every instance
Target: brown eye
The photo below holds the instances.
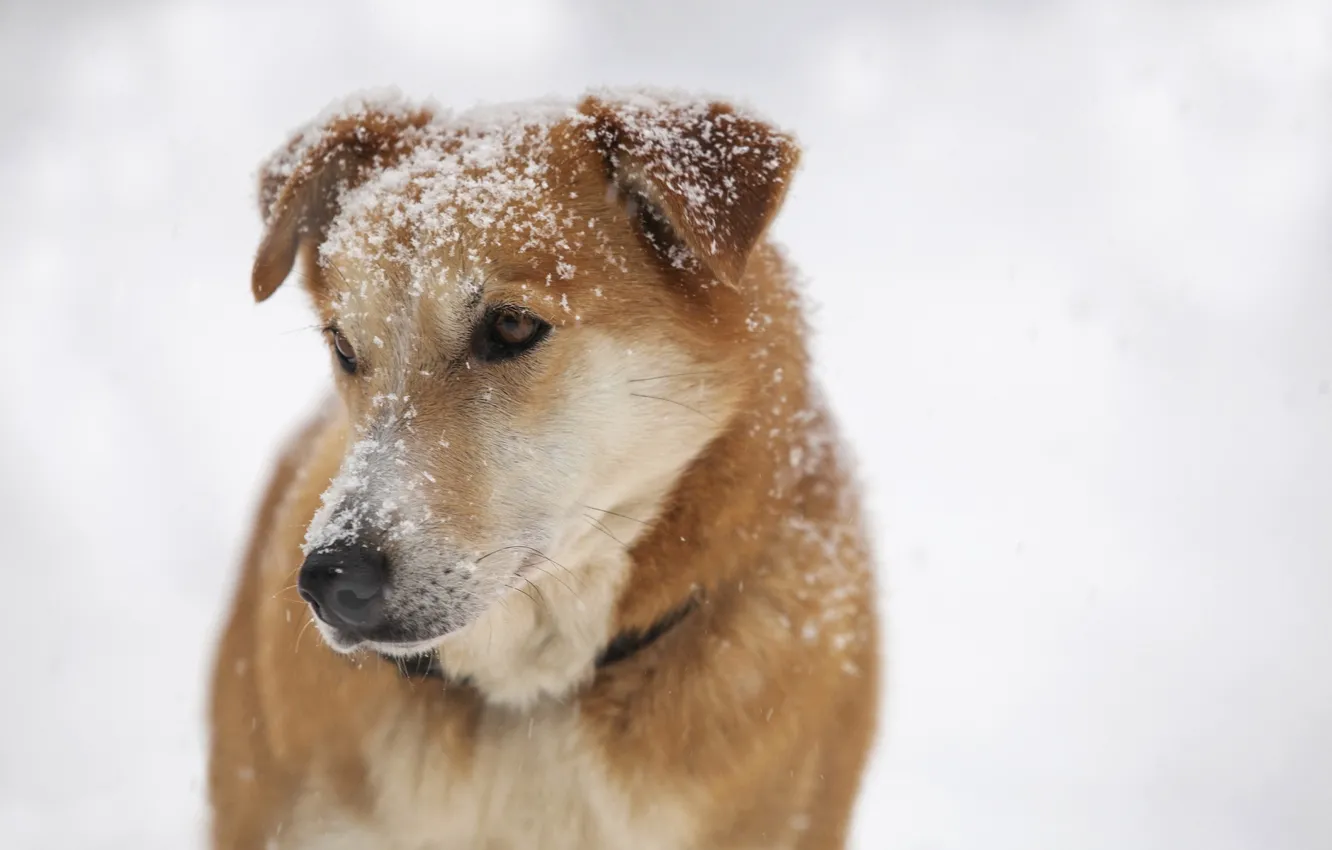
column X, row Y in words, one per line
column 342, row 347
column 507, row 332
column 515, row 328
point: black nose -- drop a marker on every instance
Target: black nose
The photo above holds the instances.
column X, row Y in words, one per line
column 345, row 587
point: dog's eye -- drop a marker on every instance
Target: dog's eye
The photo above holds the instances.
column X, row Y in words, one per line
column 342, row 347
column 514, row 327
column 507, row 332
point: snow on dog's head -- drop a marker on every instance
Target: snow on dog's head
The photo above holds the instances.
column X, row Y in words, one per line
column 531, row 314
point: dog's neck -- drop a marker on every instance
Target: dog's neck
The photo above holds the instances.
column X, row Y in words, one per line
column 624, row 579
column 622, row 647
column 543, row 641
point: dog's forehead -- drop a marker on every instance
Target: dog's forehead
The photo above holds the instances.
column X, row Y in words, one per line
column 467, row 199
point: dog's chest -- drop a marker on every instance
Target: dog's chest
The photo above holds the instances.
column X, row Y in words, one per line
column 534, row 782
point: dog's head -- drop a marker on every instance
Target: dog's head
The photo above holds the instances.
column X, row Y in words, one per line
column 532, row 318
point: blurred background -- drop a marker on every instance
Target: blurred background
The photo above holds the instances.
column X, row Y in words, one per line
column 1071, row 266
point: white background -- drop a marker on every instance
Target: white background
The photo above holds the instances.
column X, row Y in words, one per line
column 1072, row 265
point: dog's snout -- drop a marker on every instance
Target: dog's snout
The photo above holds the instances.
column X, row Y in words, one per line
column 345, row 587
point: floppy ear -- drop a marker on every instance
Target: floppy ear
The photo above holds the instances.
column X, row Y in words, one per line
column 717, row 177
column 301, row 185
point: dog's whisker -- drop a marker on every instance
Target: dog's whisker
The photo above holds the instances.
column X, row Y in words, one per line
column 596, row 523
column 301, row 634
column 401, row 664
column 504, row 549
column 302, row 329
column 675, row 375
column 531, row 549
column 520, row 590
column 337, row 271
column 539, row 594
column 550, row 560
column 284, row 594
column 621, row 516
column 557, row 578
column 673, row 401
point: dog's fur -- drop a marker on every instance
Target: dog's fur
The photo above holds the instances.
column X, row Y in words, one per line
column 663, row 444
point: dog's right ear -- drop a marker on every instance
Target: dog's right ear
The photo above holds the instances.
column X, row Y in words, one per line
column 301, row 185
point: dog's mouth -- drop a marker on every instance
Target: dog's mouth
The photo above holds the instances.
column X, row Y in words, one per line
column 346, row 642
column 405, row 649
column 391, row 639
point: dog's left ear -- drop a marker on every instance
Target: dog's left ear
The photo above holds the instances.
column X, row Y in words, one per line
column 716, row 176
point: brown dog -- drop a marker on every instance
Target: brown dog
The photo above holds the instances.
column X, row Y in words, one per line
column 577, row 534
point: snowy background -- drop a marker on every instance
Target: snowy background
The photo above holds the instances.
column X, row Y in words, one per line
column 1073, row 267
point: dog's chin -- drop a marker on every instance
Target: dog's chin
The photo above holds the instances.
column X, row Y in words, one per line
column 345, row 644
column 408, row 649
column 336, row 640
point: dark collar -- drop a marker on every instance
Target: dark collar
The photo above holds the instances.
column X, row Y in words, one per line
column 624, row 645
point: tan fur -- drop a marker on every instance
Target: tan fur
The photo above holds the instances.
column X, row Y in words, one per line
column 674, row 391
